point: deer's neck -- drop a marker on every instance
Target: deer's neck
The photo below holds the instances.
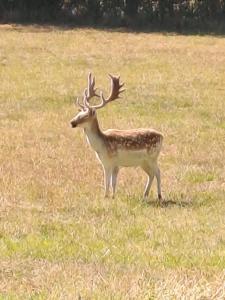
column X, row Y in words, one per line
column 94, row 135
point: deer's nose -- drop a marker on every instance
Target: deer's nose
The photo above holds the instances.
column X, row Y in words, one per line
column 73, row 124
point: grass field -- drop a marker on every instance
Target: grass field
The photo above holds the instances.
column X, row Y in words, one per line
column 59, row 238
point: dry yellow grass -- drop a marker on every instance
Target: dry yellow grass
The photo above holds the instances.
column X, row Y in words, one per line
column 59, row 238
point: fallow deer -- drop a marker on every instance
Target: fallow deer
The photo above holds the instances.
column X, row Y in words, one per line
column 118, row 148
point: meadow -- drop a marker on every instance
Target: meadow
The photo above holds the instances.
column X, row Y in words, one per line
column 59, row 237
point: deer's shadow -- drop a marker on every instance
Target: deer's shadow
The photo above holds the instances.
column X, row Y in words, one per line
column 168, row 202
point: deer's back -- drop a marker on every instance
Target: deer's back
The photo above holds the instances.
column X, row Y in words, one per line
column 148, row 140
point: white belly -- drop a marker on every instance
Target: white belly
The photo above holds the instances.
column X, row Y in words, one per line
column 132, row 158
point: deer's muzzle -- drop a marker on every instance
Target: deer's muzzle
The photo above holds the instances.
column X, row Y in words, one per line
column 73, row 124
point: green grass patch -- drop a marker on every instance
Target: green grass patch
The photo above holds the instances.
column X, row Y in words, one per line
column 59, row 238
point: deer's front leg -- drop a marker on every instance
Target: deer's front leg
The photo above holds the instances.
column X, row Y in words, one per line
column 107, row 178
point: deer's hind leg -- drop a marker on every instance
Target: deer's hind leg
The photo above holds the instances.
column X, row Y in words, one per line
column 114, row 178
column 158, row 177
column 150, row 172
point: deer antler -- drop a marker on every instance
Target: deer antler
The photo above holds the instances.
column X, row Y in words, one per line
column 114, row 94
column 89, row 92
column 79, row 104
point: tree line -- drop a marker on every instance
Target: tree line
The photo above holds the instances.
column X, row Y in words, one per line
column 172, row 13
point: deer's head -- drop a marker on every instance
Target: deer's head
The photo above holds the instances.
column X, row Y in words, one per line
column 87, row 112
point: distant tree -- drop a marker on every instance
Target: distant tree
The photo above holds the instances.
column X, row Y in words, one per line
column 112, row 11
column 162, row 6
column 223, row 8
column 93, row 10
column 176, row 13
column 214, row 8
column 131, row 8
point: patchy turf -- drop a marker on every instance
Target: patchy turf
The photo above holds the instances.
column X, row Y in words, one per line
column 59, row 238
